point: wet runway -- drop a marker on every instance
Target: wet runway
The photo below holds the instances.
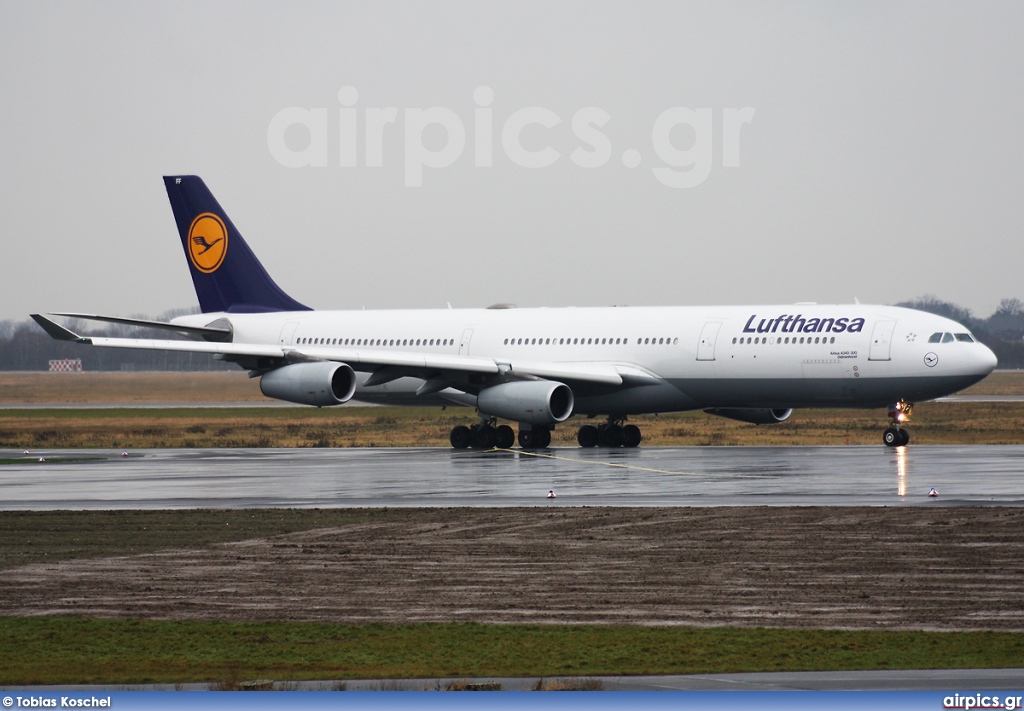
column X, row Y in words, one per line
column 653, row 476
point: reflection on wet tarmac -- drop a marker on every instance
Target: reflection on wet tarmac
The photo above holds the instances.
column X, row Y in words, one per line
column 653, row 476
column 901, row 471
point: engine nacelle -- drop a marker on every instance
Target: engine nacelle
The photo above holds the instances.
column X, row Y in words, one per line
column 753, row 415
column 320, row 384
column 537, row 402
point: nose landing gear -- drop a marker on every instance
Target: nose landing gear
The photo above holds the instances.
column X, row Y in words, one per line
column 896, row 435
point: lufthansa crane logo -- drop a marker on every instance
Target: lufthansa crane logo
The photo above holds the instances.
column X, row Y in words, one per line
column 207, row 242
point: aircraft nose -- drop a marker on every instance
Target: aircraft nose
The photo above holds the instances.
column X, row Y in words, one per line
column 985, row 360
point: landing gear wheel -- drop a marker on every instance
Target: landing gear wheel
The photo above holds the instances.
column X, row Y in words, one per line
column 504, row 437
column 534, row 439
column 612, row 436
column 891, row 437
column 460, row 437
column 631, row 436
column 904, row 437
column 483, row 437
column 588, row 436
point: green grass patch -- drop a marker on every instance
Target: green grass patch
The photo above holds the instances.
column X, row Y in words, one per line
column 85, row 651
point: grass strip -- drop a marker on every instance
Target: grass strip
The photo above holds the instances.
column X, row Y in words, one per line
column 28, row 459
column 88, row 651
column 933, row 423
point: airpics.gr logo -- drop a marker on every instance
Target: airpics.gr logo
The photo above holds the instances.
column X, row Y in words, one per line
column 207, row 242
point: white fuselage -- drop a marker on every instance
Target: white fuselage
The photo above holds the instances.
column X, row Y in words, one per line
column 695, row 357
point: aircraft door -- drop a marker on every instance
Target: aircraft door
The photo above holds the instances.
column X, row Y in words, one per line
column 288, row 333
column 881, row 339
column 708, row 336
column 467, row 335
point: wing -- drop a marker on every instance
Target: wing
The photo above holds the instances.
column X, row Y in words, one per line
column 206, row 333
column 439, row 370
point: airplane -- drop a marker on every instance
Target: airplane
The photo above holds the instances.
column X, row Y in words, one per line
column 537, row 367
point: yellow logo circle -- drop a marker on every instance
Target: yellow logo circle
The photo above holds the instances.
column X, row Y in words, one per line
column 207, row 242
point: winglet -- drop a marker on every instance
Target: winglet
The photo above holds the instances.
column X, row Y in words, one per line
column 58, row 332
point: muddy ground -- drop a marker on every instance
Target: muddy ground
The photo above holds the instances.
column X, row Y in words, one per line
column 875, row 568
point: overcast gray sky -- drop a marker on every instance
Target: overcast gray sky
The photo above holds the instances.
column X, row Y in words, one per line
column 884, row 158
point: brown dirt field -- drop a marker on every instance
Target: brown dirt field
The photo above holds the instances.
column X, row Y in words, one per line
column 815, row 567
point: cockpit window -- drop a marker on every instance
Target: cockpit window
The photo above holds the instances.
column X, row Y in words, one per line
column 947, row 337
column 935, row 338
column 965, row 337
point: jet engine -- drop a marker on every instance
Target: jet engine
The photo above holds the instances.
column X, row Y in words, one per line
column 537, row 402
column 319, row 384
column 753, row 415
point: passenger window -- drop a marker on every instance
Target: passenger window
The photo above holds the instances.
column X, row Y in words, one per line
column 964, row 337
column 947, row 338
column 935, row 338
column 734, row 341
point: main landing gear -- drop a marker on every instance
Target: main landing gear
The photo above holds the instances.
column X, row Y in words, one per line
column 610, row 434
column 490, row 435
column 486, row 435
column 896, row 435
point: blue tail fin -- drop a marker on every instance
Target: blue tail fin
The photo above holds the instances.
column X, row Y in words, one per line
column 225, row 272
